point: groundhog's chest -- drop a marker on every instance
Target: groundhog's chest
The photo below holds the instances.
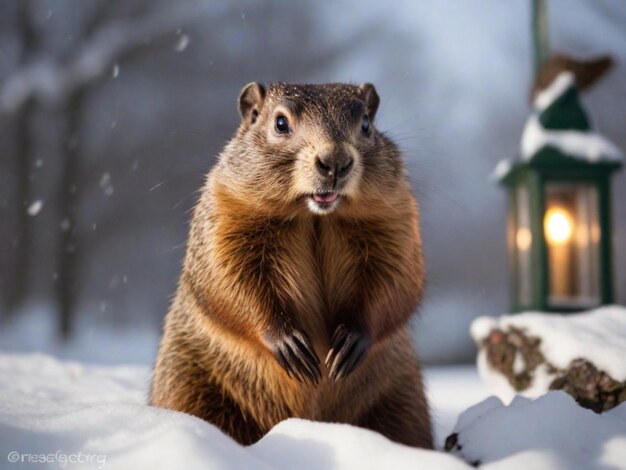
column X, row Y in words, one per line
column 320, row 264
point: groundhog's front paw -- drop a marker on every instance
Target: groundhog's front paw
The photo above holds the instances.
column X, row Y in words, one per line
column 294, row 353
column 347, row 351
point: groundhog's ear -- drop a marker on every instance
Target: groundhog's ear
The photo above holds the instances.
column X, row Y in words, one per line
column 250, row 101
column 371, row 99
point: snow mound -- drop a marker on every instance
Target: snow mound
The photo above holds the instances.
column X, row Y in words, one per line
column 597, row 335
column 550, row 432
column 69, row 415
column 442, row 386
column 74, row 416
column 307, row 445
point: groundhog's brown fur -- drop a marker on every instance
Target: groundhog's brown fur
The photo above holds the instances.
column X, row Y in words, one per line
column 277, row 275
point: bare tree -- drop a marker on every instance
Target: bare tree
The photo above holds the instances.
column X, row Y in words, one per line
column 29, row 42
column 62, row 83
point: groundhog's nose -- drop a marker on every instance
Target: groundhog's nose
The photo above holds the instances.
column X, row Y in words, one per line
column 334, row 166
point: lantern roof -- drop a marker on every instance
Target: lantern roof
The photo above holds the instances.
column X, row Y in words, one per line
column 559, row 134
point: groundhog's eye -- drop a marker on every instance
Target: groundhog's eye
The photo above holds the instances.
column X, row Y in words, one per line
column 282, row 125
column 365, row 124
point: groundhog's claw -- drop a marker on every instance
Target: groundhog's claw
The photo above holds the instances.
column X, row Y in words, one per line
column 347, row 351
column 294, row 353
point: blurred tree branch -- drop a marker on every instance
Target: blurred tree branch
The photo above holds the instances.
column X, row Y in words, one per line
column 52, row 81
column 30, row 41
column 60, row 83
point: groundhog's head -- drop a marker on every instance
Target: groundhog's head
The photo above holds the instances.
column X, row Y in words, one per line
column 312, row 146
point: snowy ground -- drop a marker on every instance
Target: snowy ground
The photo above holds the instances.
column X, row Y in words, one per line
column 61, row 413
column 35, row 329
column 598, row 336
column 452, row 390
column 549, row 432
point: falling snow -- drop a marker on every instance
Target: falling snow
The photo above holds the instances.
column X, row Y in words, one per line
column 105, row 184
column 182, row 43
column 65, row 225
column 35, row 208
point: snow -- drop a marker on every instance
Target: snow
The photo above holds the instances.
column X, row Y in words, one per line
column 443, row 385
column 502, row 169
column 481, row 327
column 106, row 185
column 35, row 208
column 598, row 336
column 34, row 328
column 51, row 81
column 550, row 432
column 519, row 364
column 499, row 385
column 307, row 445
column 65, row 225
column 62, row 412
column 63, row 408
column 66, row 412
column 562, row 82
column 589, row 146
column 182, row 43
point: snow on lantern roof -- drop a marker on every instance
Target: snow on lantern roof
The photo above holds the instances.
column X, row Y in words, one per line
column 563, row 82
column 589, row 146
column 559, row 121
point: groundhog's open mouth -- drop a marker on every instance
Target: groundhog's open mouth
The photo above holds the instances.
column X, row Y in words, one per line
column 325, row 197
column 323, row 202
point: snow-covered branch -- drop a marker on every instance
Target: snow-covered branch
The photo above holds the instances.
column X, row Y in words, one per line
column 51, row 81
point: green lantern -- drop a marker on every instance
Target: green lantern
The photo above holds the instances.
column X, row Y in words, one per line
column 559, row 222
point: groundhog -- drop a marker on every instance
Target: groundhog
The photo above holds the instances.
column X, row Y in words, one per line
column 304, row 245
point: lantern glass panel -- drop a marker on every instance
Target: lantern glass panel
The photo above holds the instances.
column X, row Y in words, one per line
column 523, row 242
column 572, row 234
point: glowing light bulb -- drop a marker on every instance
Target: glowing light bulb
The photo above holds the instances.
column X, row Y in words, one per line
column 523, row 238
column 558, row 226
